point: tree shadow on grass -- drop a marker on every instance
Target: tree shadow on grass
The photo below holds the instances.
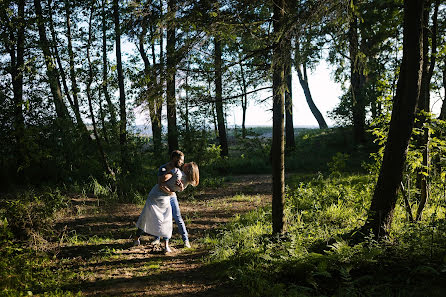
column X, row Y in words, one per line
column 115, row 268
column 198, row 281
column 88, row 251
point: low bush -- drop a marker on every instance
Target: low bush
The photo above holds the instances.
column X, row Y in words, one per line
column 29, row 214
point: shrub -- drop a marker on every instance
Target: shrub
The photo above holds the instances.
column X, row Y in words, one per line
column 30, row 214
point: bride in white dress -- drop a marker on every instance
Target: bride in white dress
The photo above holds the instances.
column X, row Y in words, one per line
column 156, row 216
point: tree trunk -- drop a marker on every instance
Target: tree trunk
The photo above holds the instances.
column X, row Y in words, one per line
column 356, row 80
column 244, row 99
column 16, row 52
column 186, row 116
column 110, row 105
column 219, row 99
column 303, row 80
column 289, row 126
column 380, row 215
column 442, row 115
column 89, row 97
column 74, row 87
column 172, row 130
column 152, row 96
column 122, row 111
column 278, row 141
column 59, row 62
column 428, row 70
column 213, row 108
column 155, row 105
column 102, row 115
column 53, row 80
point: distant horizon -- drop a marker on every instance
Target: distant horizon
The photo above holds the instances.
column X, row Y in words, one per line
column 146, row 129
column 246, row 126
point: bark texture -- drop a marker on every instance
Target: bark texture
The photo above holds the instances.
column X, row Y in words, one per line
column 381, row 211
column 219, row 99
column 51, row 71
column 357, row 80
column 122, row 110
column 289, row 126
column 278, row 140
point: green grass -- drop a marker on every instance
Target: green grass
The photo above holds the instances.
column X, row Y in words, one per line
column 313, row 259
column 316, row 150
column 24, row 271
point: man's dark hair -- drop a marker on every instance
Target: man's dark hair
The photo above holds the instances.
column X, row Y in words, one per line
column 176, row 154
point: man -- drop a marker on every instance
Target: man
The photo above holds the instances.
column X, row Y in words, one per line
column 176, row 161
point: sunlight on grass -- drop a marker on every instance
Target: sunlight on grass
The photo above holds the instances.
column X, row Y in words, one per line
column 74, row 239
column 311, row 257
column 245, row 198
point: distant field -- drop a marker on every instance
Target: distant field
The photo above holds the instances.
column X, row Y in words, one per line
column 265, row 131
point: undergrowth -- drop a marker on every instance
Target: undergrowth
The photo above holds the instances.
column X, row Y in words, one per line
column 26, row 228
column 315, row 258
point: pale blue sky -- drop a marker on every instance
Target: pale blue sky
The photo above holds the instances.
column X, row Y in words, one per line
column 324, row 90
column 325, row 93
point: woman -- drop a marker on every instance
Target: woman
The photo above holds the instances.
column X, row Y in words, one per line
column 156, row 216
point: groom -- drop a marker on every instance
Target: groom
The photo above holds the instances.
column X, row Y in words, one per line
column 176, row 161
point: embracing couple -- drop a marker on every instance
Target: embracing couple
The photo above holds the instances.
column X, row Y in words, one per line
column 162, row 202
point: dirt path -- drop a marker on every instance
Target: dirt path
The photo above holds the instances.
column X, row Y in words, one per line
column 96, row 244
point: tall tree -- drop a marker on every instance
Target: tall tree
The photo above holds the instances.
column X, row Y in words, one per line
column 14, row 40
column 278, row 141
column 219, row 98
column 301, row 69
column 289, row 127
column 357, row 78
column 424, row 102
column 110, row 105
column 381, row 210
column 53, row 79
column 74, row 87
column 244, row 97
column 172, row 130
column 122, row 106
column 156, row 103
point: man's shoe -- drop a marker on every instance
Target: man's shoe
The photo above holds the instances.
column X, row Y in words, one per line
column 167, row 249
column 187, row 244
column 156, row 241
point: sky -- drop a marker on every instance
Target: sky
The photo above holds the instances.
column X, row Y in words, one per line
column 324, row 90
column 325, row 93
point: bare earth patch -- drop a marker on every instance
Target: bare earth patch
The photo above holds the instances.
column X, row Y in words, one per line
column 96, row 244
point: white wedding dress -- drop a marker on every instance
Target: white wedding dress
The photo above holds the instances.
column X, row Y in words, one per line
column 156, row 216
